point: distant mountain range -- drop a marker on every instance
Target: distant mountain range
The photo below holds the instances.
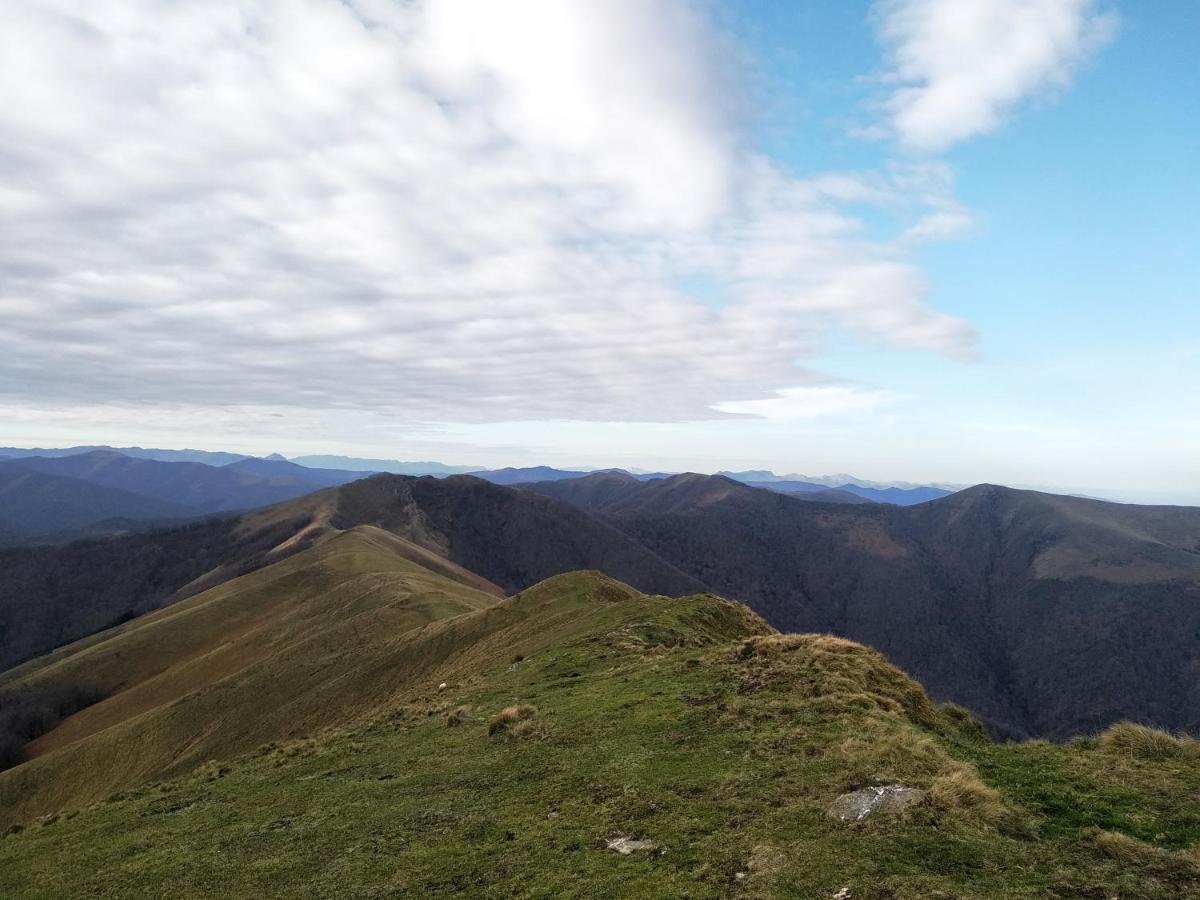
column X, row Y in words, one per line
column 900, row 493
column 208, row 457
column 34, row 503
column 98, row 491
column 394, row 466
column 874, row 492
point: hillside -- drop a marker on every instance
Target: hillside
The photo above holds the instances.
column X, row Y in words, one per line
column 577, row 716
column 1045, row 615
column 513, row 538
column 303, row 643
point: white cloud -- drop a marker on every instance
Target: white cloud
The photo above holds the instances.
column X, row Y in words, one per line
column 799, row 403
column 960, row 66
column 456, row 211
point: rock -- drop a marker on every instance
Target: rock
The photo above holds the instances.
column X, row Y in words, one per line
column 625, row 845
column 891, row 799
column 442, row 686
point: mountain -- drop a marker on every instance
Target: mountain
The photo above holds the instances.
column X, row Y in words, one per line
column 394, row 466
column 202, row 489
column 804, row 490
column 1036, row 612
column 279, row 471
column 207, row 457
column 525, row 475
column 896, row 495
column 900, row 493
column 512, row 538
column 1045, row 615
column 36, row 505
column 364, row 720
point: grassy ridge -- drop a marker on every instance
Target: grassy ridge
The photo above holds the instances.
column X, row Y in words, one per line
column 683, row 722
column 308, row 642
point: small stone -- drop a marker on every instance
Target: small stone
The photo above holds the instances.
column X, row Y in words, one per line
column 626, row 846
column 442, row 686
column 891, row 799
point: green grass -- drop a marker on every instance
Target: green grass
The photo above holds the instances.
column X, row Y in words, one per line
column 655, row 718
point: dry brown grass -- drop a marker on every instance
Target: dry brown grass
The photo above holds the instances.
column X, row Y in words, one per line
column 890, row 752
column 509, row 718
column 458, row 716
column 212, row 770
column 1131, row 852
column 1143, row 742
column 959, row 794
column 831, row 672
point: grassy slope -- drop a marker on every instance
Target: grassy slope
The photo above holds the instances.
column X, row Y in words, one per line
column 282, row 651
column 659, row 718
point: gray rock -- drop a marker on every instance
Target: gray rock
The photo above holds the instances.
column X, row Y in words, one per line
column 890, row 799
column 625, row 846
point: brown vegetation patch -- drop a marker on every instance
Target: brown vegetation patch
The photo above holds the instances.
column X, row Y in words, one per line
column 840, row 674
column 1143, row 742
column 513, row 720
column 958, row 793
column 1131, row 852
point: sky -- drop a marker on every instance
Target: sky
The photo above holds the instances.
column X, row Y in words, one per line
column 942, row 241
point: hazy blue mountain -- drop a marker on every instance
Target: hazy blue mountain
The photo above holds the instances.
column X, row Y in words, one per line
column 803, row 490
column 756, row 475
column 393, row 466
column 788, row 487
column 526, row 475
column 200, row 488
column 895, row 495
column 280, row 471
column 39, row 505
column 208, row 457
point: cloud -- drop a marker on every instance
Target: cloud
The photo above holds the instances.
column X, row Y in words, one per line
column 454, row 212
column 798, row 403
column 959, row 67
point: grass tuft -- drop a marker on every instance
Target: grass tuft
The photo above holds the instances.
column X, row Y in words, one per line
column 212, row 770
column 1132, row 853
column 510, row 717
column 886, row 752
column 961, row 796
column 1143, row 742
column 458, row 716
